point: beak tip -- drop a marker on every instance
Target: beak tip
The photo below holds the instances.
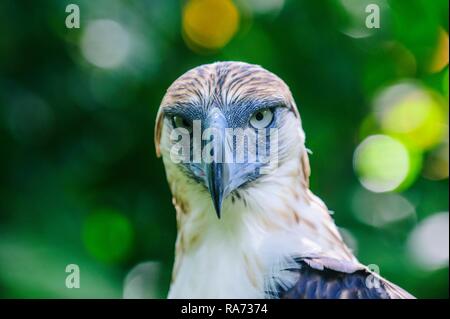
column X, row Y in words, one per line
column 215, row 186
column 218, row 208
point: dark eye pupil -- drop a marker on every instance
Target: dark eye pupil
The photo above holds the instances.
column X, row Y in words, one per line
column 259, row 116
column 186, row 123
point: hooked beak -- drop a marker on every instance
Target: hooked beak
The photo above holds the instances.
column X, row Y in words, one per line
column 217, row 172
column 217, row 183
column 220, row 174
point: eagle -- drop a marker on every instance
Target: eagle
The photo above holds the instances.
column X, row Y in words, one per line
column 250, row 227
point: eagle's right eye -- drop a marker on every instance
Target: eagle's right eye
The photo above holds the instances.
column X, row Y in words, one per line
column 261, row 119
column 180, row 122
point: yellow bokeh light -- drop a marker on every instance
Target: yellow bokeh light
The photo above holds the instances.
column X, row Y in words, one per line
column 209, row 24
column 382, row 163
column 440, row 56
column 412, row 115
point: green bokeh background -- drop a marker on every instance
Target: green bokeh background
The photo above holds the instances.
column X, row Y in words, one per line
column 79, row 179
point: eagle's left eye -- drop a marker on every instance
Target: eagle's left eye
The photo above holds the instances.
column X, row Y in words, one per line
column 261, row 119
column 180, row 122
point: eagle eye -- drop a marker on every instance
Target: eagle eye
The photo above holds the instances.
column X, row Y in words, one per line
column 181, row 122
column 261, row 119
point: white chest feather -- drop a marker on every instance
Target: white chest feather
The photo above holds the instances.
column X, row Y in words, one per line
column 262, row 229
column 245, row 253
column 221, row 267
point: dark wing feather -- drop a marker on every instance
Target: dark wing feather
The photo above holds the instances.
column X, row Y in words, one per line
column 326, row 283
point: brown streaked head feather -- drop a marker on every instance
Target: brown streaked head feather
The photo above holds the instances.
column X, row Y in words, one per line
column 224, row 84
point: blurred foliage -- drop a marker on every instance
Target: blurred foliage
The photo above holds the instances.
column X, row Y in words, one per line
column 80, row 182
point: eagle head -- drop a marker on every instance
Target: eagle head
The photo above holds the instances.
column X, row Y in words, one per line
column 226, row 127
